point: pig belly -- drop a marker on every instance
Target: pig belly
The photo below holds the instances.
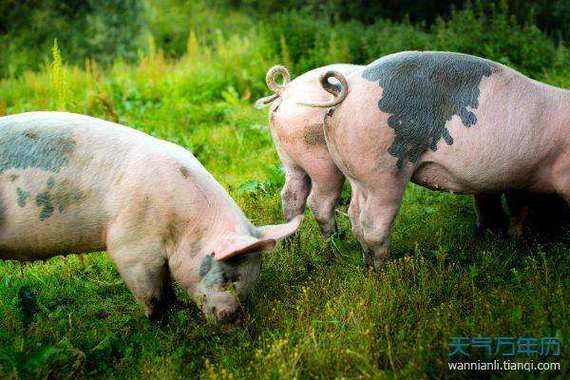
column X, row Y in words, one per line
column 501, row 152
column 490, row 173
column 435, row 176
column 449, row 171
column 44, row 215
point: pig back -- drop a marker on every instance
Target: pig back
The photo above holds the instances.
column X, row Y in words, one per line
column 64, row 178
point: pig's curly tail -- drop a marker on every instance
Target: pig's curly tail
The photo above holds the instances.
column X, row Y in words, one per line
column 339, row 92
column 271, row 80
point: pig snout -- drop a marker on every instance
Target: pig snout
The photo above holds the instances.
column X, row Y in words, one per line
column 226, row 316
column 223, row 308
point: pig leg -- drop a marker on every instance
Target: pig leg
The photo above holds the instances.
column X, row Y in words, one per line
column 146, row 274
column 490, row 214
column 566, row 196
column 294, row 197
column 354, row 214
column 295, row 192
column 323, row 200
column 563, row 184
column 380, row 207
column 561, row 173
column 518, row 206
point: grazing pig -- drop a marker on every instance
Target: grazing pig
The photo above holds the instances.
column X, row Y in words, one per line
column 449, row 122
column 299, row 139
column 71, row 184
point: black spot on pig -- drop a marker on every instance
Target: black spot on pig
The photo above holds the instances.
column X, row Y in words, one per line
column 43, row 200
column 422, row 92
column 41, row 148
column 64, row 194
column 206, row 265
column 59, row 195
column 215, row 272
column 22, row 196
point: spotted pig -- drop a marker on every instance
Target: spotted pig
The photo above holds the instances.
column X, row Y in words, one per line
column 75, row 184
column 449, row 122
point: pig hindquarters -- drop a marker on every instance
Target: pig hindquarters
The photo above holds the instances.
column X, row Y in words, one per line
column 297, row 131
column 448, row 122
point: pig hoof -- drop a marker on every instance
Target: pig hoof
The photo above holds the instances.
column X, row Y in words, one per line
column 516, row 231
column 373, row 267
column 158, row 318
column 378, row 263
column 158, row 312
column 479, row 231
column 328, row 230
column 366, row 260
column 373, row 263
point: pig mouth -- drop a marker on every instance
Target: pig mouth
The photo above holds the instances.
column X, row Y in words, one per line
column 224, row 317
column 232, row 318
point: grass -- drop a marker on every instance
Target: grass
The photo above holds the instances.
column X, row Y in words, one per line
column 306, row 318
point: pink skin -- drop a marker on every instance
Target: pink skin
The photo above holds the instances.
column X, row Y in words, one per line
column 148, row 202
column 297, row 131
column 530, row 150
column 310, row 172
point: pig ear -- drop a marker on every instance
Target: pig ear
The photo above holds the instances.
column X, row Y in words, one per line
column 240, row 245
column 280, row 231
column 233, row 246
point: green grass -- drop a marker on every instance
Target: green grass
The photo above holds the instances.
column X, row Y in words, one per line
column 306, row 318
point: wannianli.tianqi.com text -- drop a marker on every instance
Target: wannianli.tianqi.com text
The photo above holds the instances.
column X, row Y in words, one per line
column 503, row 365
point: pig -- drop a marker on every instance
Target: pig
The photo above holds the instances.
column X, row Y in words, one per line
column 297, row 132
column 71, row 183
column 310, row 172
column 447, row 121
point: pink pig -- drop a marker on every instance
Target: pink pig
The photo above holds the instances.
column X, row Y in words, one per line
column 449, row 122
column 297, row 132
column 72, row 184
column 311, row 173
